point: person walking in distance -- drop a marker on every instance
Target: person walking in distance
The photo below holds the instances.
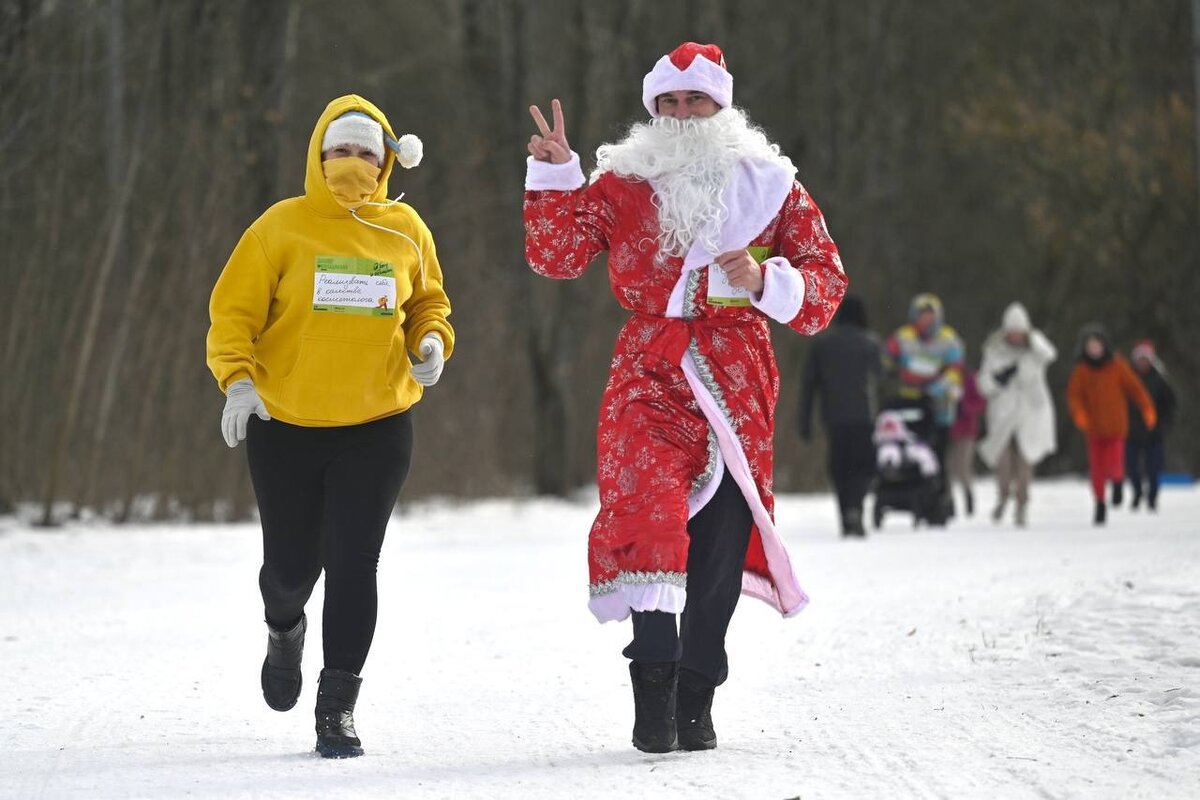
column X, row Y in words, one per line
column 843, row 369
column 960, row 454
column 709, row 236
column 314, row 319
column 1145, row 449
column 1101, row 387
column 1020, row 408
column 925, row 355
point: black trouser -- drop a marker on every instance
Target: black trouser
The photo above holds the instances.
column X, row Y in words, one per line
column 719, row 535
column 325, row 496
column 1151, row 452
column 851, row 463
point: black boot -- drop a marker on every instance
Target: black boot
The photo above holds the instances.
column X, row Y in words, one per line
column 970, row 502
column 1136, row 500
column 1101, row 513
column 852, row 523
column 1118, row 493
column 336, row 696
column 654, row 688
column 693, row 711
column 1152, row 498
column 281, row 679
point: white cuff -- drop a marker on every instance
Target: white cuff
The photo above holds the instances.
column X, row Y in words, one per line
column 435, row 339
column 783, row 290
column 542, row 176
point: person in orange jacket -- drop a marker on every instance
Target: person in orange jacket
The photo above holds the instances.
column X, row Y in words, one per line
column 1098, row 395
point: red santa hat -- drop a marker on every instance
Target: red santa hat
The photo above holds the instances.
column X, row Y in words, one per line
column 690, row 67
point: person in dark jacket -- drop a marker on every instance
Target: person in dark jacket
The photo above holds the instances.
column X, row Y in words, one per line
column 1143, row 447
column 843, row 368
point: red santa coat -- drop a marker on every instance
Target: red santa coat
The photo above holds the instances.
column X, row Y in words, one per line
column 693, row 385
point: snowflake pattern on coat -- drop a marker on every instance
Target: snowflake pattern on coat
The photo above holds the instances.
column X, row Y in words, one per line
column 655, row 447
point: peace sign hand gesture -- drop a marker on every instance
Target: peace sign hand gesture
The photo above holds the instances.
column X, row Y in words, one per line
column 551, row 145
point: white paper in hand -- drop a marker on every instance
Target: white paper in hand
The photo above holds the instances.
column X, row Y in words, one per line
column 721, row 292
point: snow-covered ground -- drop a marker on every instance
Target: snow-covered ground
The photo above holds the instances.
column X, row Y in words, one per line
column 979, row 661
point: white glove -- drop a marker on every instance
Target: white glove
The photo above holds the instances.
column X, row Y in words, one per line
column 241, row 400
column 432, row 360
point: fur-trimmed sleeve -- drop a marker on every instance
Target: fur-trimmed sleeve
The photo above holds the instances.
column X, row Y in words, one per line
column 804, row 241
column 567, row 223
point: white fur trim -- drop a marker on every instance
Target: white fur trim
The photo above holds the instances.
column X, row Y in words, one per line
column 409, row 151
column 754, row 195
column 785, row 596
column 617, row 605
column 542, row 176
column 783, row 290
column 354, row 129
column 701, row 75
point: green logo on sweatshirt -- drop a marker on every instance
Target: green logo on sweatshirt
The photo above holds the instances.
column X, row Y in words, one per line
column 354, row 285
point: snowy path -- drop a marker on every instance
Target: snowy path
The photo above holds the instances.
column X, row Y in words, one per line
column 980, row 661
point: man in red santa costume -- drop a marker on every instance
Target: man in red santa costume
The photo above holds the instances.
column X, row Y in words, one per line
column 709, row 235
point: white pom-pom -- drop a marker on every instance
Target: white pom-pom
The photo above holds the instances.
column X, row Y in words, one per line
column 410, row 152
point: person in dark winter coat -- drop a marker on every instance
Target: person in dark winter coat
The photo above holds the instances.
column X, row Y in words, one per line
column 1144, row 447
column 1101, row 387
column 843, row 368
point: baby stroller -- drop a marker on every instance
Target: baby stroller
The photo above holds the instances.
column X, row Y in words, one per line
column 909, row 476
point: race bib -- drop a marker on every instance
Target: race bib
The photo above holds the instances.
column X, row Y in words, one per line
column 353, row 285
column 721, row 292
column 925, row 365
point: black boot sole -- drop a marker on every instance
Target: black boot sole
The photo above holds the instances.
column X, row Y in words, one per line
column 692, row 742
column 339, row 750
column 286, row 705
column 656, row 748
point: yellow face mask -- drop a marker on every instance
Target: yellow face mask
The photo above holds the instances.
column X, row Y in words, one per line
column 351, row 180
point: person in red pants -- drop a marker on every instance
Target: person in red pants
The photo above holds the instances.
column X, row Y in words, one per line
column 1101, row 387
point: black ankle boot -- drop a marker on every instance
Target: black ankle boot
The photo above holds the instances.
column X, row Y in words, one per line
column 693, row 712
column 970, row 503
column 1101, row 513
column 336, row 695
column 654, row 687
column 1118, row 493
column 281, row 679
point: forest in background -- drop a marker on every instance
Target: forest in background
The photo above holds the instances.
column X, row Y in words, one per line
column 1014, row 150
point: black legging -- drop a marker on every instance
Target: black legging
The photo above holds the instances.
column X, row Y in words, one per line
column 719, row 535
column 325, row 496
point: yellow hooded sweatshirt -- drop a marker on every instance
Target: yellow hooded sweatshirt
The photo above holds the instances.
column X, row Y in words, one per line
column 320, row 309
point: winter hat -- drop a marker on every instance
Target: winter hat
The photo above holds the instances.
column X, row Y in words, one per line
column 926, row 301
column 689, row 67
column 851, row 312
column 357, row 128
column 1094, row 330
column 1144, row 349
column 1016, row 319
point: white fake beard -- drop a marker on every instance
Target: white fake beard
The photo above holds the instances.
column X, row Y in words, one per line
column 689, row 162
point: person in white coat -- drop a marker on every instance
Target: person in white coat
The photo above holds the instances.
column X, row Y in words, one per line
column 1020, row 410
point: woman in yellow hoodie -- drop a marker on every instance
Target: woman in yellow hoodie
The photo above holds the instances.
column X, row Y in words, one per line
column 313, row 321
